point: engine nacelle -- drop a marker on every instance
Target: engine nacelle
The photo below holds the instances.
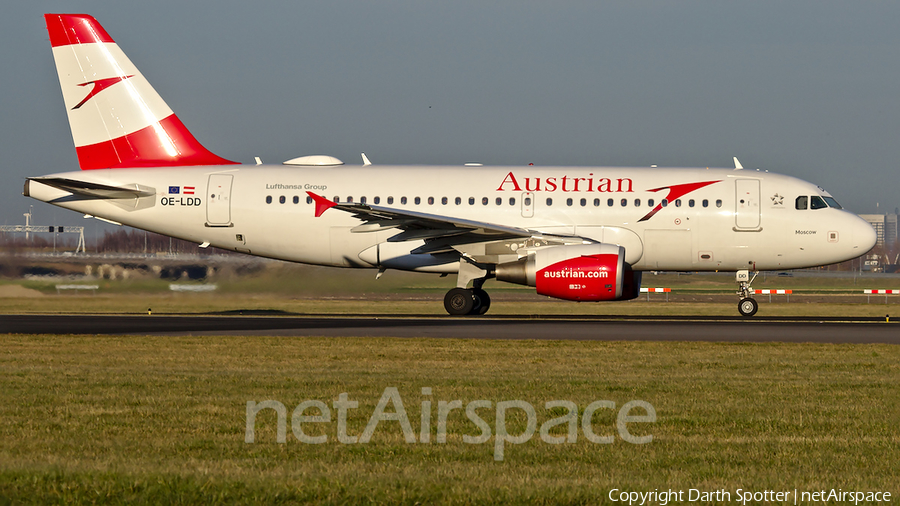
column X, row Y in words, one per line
column 583, row 272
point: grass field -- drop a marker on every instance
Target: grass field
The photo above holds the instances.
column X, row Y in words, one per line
column 149, row 420
column 90, row 419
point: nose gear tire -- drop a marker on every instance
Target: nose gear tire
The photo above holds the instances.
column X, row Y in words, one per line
column 748, row 307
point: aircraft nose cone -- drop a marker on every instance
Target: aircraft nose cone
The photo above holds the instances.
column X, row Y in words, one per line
column 864, row 236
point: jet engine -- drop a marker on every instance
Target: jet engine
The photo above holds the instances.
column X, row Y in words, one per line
column 583, row 272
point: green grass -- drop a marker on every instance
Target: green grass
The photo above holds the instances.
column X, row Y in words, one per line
column 106, row 419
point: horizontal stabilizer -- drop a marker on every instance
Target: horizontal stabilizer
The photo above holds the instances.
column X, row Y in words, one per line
column 96, row 190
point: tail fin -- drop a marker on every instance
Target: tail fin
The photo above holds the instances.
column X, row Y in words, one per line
column 117, row 119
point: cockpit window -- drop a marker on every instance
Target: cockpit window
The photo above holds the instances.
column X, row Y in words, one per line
column 816, row 202
column 801, row 202
column 832, row 203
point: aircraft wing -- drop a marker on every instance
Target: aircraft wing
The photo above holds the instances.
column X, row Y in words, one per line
column 441, row 233
column 96, row 190
column 415, row 225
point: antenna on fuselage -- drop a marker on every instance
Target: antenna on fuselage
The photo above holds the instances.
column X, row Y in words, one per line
column 737, row 164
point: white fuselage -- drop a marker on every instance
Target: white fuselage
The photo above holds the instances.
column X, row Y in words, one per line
column 738, row 220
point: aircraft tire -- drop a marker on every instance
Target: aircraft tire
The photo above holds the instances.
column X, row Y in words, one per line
column 748, row 307
column 482, row 302
column 459, row 301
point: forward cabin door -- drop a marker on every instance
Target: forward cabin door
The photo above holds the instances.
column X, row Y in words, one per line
column 746, row 202
column 218, row 201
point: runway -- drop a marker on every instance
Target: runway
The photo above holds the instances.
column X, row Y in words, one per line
column 588, row 328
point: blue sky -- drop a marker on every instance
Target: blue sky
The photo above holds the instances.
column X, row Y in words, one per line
column 807, row 89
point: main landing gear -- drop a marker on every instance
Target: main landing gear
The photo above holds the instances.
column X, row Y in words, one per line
column 748, row 305
column 462, row 301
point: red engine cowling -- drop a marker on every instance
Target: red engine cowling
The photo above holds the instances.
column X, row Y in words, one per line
column 583, row 272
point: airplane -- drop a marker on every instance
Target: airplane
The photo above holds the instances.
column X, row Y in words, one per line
column 573, row 233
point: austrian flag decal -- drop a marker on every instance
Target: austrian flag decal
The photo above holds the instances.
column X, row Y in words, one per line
column 181, row 190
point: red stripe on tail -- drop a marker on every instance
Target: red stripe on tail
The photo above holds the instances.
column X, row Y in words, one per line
column 167, row 144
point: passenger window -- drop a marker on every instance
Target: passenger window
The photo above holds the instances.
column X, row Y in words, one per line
column 817, row 202
column 417, row 200
column 624, row 202
column 527, row 201
column 377, row 200
column 512, row 201
column 362, row 200
column 444, row 200
column 484, row 201
column 499, row 201
column 691, row 203
column 677, row 202
column 309, row 200
column 609, row 202
column 471, row 201
column 403, row 200
column 583, row 202
column 390, row 200
column 637, row 202
column 350, row 200
column 596, row 202
column 801, row 203
column 705, row 202
column 651, row 202
column 282, row 200
column 458, row 201
column 719, row 203
column 430, row 201
column 268, row 199
column 549, row 202
column 296, row 199
column 568, row 202
column 665, row 202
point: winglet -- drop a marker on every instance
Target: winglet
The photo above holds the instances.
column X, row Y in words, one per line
column 366, row 161
column 737, row 164
column 322, row 204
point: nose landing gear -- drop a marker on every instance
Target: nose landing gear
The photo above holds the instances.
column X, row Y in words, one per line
column 748, row 305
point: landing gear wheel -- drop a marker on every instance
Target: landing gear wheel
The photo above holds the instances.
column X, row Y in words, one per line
column 748, row 307
column 482, row 301
column 459, row 301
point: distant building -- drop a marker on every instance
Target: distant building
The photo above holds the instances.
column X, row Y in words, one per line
column 890, row 229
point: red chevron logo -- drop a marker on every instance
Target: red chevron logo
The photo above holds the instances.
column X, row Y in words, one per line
column 99, row 85
column 675, row 191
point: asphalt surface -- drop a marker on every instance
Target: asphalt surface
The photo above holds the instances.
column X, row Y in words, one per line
column 725, row 329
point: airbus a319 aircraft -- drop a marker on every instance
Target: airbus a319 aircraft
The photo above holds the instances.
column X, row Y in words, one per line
column 574, row 233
